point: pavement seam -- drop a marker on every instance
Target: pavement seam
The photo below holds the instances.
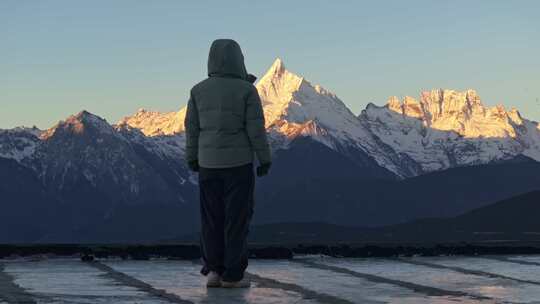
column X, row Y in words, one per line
column 12, row 292
column 128, row 280
column 427, row 290
column 467, row 271
column 512, row 260
column 305, row 292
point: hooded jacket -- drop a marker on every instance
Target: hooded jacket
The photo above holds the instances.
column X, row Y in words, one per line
column 224, row 120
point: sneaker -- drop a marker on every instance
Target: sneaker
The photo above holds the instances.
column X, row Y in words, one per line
column 244, row 283
column 213, row 279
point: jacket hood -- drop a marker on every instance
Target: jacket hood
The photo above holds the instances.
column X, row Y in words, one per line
column 226, row 59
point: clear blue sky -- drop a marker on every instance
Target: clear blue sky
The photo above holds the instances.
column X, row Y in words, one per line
column 113, row 57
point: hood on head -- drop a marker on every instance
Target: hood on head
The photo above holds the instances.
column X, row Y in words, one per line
column 226, row 59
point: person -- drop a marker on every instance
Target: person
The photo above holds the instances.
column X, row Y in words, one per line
column 225, row 128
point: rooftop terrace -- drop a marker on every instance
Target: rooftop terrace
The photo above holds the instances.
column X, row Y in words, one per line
column 302, row 279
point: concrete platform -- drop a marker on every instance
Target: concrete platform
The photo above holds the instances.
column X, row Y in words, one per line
column 307, row 279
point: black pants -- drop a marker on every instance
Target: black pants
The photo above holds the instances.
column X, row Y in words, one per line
column 226, row 196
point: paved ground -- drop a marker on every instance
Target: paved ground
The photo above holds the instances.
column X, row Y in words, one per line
column 509, row 279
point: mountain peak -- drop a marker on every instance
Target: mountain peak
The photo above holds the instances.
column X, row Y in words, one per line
column 79, row 123
column 277, row 66
column 90, row 119
column 83, row 113
column 451, row 98
column 276, row 89
column 278, row 73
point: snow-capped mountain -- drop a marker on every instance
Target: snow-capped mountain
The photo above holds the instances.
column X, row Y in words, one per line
column 446, row 128
column 86, row 148
column 93, row 178
column 85, row 151
column 296, row 108
column 293, row 107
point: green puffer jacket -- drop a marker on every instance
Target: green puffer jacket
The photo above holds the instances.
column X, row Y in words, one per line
column 224, row 120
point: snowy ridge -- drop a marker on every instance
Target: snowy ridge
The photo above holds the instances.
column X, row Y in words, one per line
column 462, row 112
column 447, row 128
column 156, row 123
column 19, row 143
column 440, row 130
column 165, row 146
column 530, row 139
column 160, row 133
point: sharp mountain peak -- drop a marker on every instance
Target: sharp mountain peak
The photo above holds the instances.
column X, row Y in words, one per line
column 78, row 124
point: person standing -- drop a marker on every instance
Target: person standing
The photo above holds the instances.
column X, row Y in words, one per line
column 225, row 129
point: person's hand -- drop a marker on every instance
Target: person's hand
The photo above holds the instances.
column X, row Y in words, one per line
column 263, row 169
column 194, row 165
column 251, row 78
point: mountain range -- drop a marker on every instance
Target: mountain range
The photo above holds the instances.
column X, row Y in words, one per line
column 86, row 180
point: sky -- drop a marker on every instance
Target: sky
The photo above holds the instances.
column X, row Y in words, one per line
column 58, row 57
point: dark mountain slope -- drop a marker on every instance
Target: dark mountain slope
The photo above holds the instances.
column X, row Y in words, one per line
column 23, row 200
column 513, row 219
column 357, row 202
column 309, row 175
column 516, row 214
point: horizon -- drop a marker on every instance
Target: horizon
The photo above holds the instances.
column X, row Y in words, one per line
column 113, row 59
